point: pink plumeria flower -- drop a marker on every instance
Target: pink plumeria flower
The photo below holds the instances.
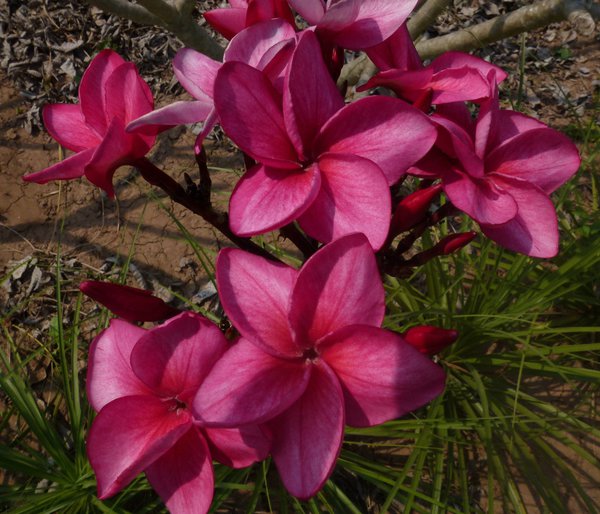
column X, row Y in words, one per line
column 326, row 165
column 265, row 46
column 142, row 383
column 312, row 357
column 354, row 24
column 111, row 94
column 242, row 14
column 451, row 77
column 500, row 170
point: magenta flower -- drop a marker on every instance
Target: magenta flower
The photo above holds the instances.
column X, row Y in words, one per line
column 311, row 357
column 111, row 94
column 354, row 24
column 142, row 382
column 326, row 165
column 242, row 14
column 500, row 170
column 451, row 77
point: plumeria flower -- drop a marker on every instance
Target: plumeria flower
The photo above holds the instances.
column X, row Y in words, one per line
column 325, row 164
column 242, row 14
column 500, row 170
column 111, row 94
column 312, row 357
column 265, row 46
column 451, row 77
column 354, row 24
column 142, row 383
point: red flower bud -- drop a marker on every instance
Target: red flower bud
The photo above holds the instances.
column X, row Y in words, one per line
column 454, row 242
column 428, row 339
column 413, row 209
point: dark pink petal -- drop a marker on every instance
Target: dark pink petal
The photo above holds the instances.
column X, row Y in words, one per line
column 65, row 123
column 481, row 199
column 239, row 447
column 385, row 130
column 460, row 59
column 354, row 197
column 128, row 435
column 407, row 84
column 534, row 230
column 510, row 124
column 255, row 294
column 434, row 165
column 227, row 22
column 544, row 157
column 251, row 44
column 374, row 21
column 259, row 10
column 310, row 97
column 109, row 374
column 178, row 113
column 250, row 113
column 183, row 476
column 196, row 73
column 268, row 198
column 458, row 113
column 391, row 380
column 397, row 52
column 458, row 85
column 129, row 303
column 127, row 96
column 70, row 168
column 339, row 285
column 307, row 437
column 92, row 89
column 249, row 386
column 174, row 358
column 311, row 10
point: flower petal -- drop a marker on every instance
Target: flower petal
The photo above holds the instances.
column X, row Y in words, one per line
column 268, row 198
column 174, row 358
column 255, row 294
column 388, row 131
column 109, row 374
column 127, row 96
column 183, row 477
column 239, row 447
column 72, row 167
column 307, row 437
column 196, row 72
column 458, row 85
column 311, row 10
column 339, row 285
column 509, row 124
column 128, row 435
column 250, row 113
column 227, row 22
column 65, row 123
column 247, row 385
column 396, row 52
column 393, row 378
column 177, row 113
column 459, row 59
column 354, row 197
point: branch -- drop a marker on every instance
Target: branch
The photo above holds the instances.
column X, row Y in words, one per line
column 425, row 17
column 125, row 9
column 525, row 19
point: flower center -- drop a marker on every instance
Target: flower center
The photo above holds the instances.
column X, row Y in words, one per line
column 310, row 354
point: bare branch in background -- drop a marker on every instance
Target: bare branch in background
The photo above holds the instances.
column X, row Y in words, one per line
column 126, row 9
column 425, row 17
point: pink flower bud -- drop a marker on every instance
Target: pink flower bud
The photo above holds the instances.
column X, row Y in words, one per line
column 413, row 209
column 429, row 339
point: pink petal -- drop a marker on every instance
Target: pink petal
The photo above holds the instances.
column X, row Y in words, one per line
column 92, row 87
column 392, row 379
column 251, row 44
column 183, row 476
column 407, row 84
column 434, row 165
column 310, row 97
column 458, row 113
column 249, row 386
column 250, row 113
column 268, row 198
column 239, row 447
column 510, row 124
column 255, row 294
column 65, row 123
column 544, row 157
column 460, row 59
column 196, row 72
column 354, row 197
column 227, row 22
column 128, row 435
column 174, row 358
column 178, row 113
column 127, row 96
column 385, row 130
column 397, row 52
column 481, row 199
column 307, row 437
column 311, row 10
column 534, row 230
column 375, row 21
column 339, row 285
column 70, row 168
column 458, row 85
column 109, row 374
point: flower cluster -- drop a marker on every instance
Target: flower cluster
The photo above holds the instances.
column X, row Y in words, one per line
column 308, row 355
